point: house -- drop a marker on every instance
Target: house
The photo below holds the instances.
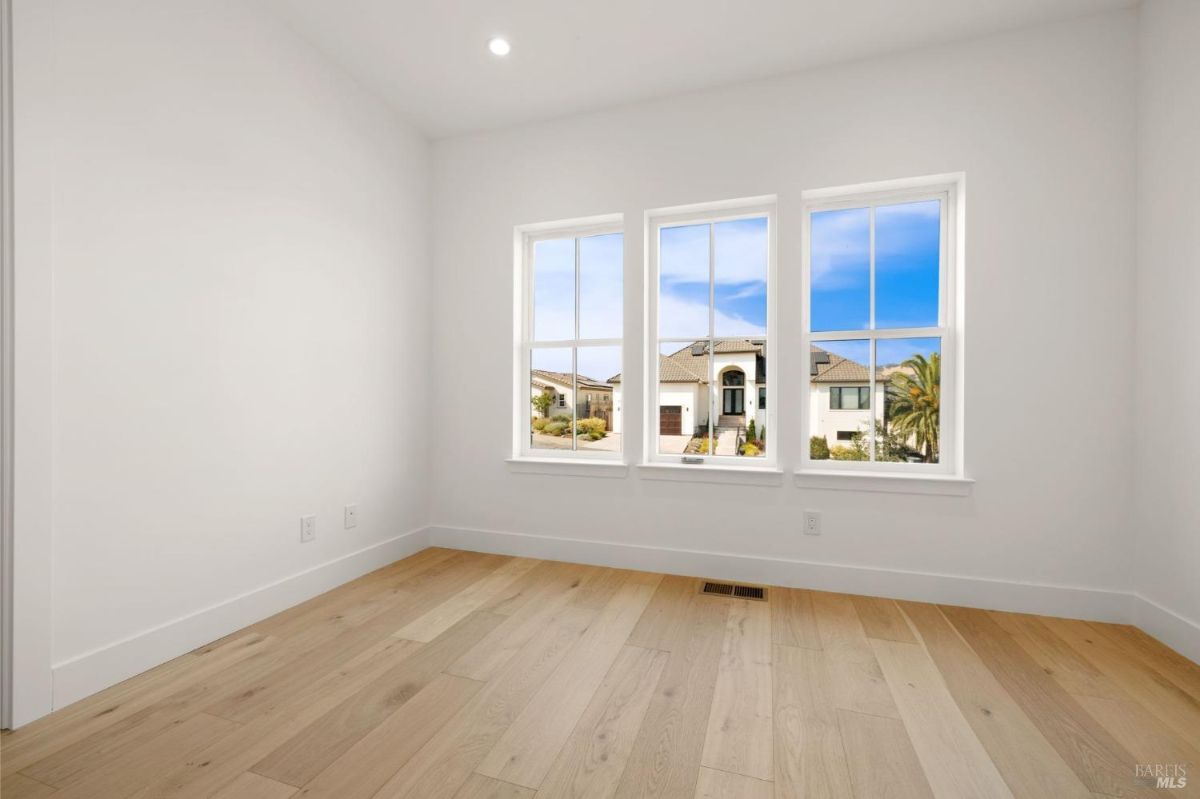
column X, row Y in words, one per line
column 839, row 392
column 740, row 368
column 596, row 398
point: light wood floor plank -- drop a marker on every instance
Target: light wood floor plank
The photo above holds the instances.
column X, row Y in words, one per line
column 441, row 767
column 882, row 619
column 1029, row 764
column 1166, row 700
column 322, row 741
column 16, row 785
column 585, row 681
column 739, row 737
column 858, row 683
column 793, row 622
column 363, row 769
column 713, row 784
column 659, row 626
column 810, row 760
column 495, row 650
column 249, row 785
column 666, row 755
column 881, row 759
column 1095, row 756
column 478, row 786
column 1057, row 658
column 528, row 748
column 471, row 598
column 590, row 764
column 1145, row 736
column 1156, row 655
column 955, row 762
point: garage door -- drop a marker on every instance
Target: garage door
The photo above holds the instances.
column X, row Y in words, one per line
column 670, row 420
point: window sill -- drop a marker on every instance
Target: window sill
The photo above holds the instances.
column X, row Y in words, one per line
column 703, row 473
column 567, row 468
column 942, row 484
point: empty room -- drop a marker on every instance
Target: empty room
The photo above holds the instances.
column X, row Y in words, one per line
column 517, row 398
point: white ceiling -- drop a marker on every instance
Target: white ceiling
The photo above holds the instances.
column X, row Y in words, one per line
column 429, row 57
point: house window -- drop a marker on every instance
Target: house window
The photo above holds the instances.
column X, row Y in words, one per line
column 880, row 336
column 710, row 294
column 849, row 398
column 762, row 398
column 568, row 344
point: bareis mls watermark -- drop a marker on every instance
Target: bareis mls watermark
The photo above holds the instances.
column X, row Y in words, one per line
column 1160, row 775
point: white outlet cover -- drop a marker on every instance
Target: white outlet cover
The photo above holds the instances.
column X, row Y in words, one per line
column 308, row 528
column 812, row 523
column 351, row 517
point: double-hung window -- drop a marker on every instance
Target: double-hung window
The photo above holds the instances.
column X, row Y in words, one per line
column 710, row 348
column 568, row 340
column 881, row 328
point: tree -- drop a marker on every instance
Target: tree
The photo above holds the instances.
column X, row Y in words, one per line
column 542, row 402
column 914, row 403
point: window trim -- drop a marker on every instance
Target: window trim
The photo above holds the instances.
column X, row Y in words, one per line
column 524, row 238
column 708, row 213
column 950, row 188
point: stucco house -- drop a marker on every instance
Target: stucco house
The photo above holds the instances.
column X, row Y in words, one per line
column 740, row 367
column 595, row 397
column 840, row 405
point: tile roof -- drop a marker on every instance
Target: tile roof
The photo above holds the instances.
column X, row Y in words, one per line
column 686, row 366
column 564, row 378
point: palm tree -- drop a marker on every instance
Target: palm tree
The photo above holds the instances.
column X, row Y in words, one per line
column 914, row 402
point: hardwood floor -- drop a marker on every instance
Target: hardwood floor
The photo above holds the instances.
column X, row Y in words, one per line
column 467, row 675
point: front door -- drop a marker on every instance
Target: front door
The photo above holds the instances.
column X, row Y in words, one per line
column 733, row 404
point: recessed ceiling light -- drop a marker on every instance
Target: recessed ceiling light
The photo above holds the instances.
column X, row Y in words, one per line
column 499, row 46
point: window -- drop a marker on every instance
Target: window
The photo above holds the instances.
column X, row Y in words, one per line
column 849, row 398
column 569, row 331
column 710, row 295
column 882, row 320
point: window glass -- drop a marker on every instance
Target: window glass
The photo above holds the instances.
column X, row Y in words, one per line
column 740, row 277
column 595, row 399
column 601, row 300
column 908, row 424
column 840, row 269
column 550, row 384
column 683, row 300
column 554, row 290
column 907, row 255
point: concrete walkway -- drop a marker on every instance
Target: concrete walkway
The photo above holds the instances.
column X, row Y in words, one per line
column 726, row 442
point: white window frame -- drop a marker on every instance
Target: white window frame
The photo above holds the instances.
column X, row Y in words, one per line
column 524, row 238
column 710, row 213
column 950, row 190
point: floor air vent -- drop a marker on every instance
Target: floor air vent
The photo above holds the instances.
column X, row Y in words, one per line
column 739, row 591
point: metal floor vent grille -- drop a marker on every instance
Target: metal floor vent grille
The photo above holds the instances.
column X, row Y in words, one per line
column 739, row 591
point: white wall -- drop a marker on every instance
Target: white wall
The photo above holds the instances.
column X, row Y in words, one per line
column 240, row 326
column 1167, row 373
column 1039, row 121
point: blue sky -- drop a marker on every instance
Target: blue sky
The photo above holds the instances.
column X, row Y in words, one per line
column 907, row 240
column 739, row 279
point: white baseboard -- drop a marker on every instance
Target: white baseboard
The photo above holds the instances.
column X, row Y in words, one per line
column 1074, row 602
column 93, row 671
column 1176, row 631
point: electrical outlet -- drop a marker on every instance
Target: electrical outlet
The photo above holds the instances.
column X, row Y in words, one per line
column 351, row 518
column 308, row 528
column 812, row 522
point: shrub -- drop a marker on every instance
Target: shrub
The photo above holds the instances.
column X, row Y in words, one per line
column 847, row 454
column 540, row 424
column 565, row 418
column 749, row 449
column 750, row 432
column 818, row 448
column 555, row 428
column 542, row 402
column 595, row 429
